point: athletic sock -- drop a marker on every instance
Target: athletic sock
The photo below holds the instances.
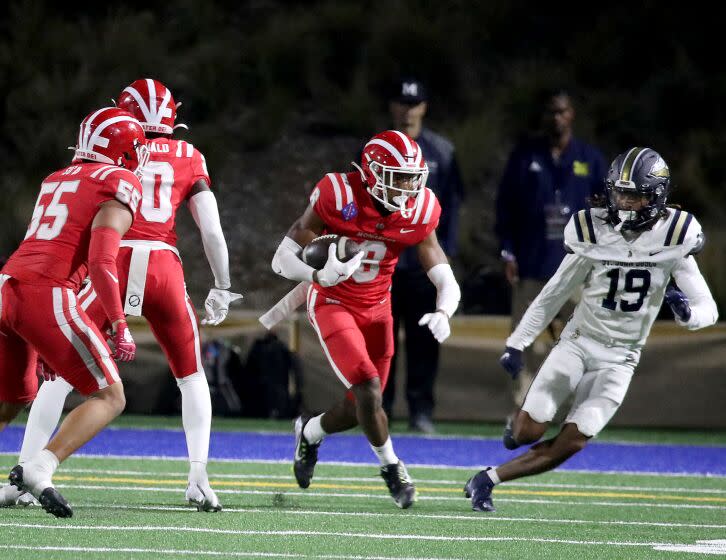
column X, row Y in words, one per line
column 38, row 471
column 196, row 415
column 385, row 453
column 44, row 416
column 313, row 430
column 493, row 476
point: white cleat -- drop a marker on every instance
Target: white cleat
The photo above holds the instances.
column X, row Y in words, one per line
column 11, row 496
column 200, row 495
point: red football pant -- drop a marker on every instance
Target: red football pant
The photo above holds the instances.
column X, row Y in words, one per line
column 46, row 320
column 358, row 342
column 166, row 307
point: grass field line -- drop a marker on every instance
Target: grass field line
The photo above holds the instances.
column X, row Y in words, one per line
column 532, row 483
column 328, row 486
column 372, row 463
column 408, row 515
column 461, row 499
column 182, row 552
column 335, row 534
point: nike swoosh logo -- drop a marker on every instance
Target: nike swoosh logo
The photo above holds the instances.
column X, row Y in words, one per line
column 112, row 277
column 655, row 252
column 407, row 230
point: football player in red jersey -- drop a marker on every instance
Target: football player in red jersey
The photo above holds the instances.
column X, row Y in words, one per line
column 81, row 214
column 151, row 281
column 385, row 207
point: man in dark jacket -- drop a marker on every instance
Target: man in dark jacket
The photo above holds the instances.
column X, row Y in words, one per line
column 547, row 179
column 413, row 293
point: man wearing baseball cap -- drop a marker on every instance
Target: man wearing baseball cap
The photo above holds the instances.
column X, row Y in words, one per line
column 412, row 292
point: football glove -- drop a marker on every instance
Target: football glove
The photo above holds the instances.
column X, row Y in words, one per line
column 678, row 302
column 438, row 323
column 43, row 371
column 511, row 360
column 216, row 305
column 124, row 346
column 334, row 272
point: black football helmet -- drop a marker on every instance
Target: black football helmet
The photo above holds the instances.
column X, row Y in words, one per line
column 640, row 171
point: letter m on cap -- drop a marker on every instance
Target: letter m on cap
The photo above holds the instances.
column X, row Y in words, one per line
column 410, row 89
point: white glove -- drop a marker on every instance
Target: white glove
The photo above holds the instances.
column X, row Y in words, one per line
column 334, row 272
column 438, row 323
column 217, row 305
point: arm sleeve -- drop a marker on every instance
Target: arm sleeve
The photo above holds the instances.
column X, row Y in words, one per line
column 690, row 281
column 287, row 262
column 102, row 254
column 203, row 207
column 572, row 272
column 448, row 293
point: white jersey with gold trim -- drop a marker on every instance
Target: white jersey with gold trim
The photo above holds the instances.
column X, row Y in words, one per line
column 623, row 280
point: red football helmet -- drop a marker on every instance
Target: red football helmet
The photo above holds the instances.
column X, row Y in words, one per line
column 112, row 135
column 394, row 168
column 152, row 104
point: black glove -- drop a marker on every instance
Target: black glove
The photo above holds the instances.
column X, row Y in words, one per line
column 678, row 303
column 512, row 361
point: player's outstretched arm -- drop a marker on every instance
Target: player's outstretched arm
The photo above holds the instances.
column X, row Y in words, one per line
column 437, row 267
column 111, row 222
column 287, row 261
column 571, row 273
column 698, row 298
column 203, row 206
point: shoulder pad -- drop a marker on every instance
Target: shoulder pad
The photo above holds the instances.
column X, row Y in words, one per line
column 425, row 209
column 580, row 229
column 184, row 149
column 699, row 244
column 684, row 230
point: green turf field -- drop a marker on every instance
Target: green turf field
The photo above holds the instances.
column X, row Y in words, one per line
column 130, row 508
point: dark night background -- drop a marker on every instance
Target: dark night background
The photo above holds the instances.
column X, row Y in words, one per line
column 276, row 94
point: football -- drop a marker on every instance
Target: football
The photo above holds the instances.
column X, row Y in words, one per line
column 315, row 253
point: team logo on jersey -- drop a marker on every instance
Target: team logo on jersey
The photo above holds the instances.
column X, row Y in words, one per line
column 581, row 168
column 349, row 211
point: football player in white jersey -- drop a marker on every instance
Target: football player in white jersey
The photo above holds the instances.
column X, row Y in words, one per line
column 627, row 256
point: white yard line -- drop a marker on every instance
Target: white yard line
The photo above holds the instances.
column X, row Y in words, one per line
column 182, row 552
column 473, row 517
column 284, row 493
column 336, row 534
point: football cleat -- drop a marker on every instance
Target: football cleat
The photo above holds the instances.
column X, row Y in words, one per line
column 399, row 484
column 508, row 436
column 202, row 497
column 467, row 487
column 50, row 499
column 306, row 455
column 11, row 496
column 480, row 488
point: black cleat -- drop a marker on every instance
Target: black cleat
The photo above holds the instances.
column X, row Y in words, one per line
column 306, row 455
column 50, row 499
column 399, row 484
column 508, row 437
column 467, row 488
column 54, row 503
column 480, row 488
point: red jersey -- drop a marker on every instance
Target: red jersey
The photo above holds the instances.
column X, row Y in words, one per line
column 343, row 203
column 55, row 249
column 174, row 166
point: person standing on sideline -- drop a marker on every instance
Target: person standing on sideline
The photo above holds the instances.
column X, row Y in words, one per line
column 412, row 291
column 547, row 179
